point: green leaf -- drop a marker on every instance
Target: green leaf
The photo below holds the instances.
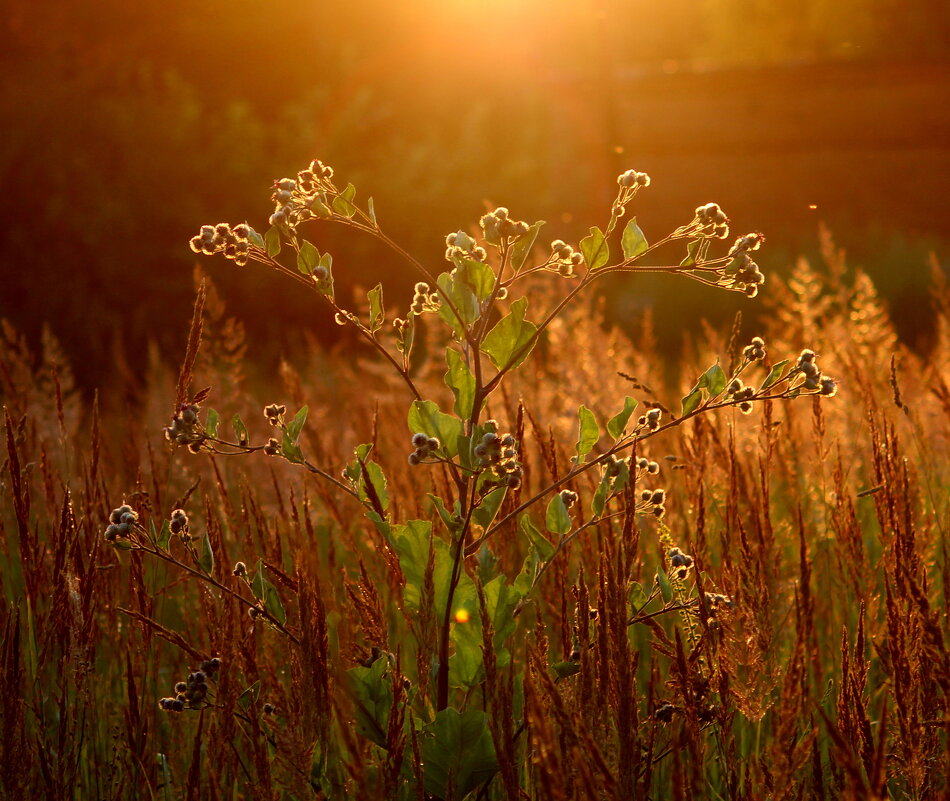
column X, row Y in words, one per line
column 272, row 242
column 255, row 238
column 633, row 241
column 307, row 258
column 715, row 380
column 595, row 249
column 467, row 663
column 368, row 475
column 599, row 501
column 458, row 753
column 371, row 210
column 774, row 374
column 638, row 597
column 240, row 430
column 618, row 422
column 512, row 339
column 163, row 537
column 544, row 548
column 296, row 425
column 461, row 381
column 451, row 519
column 377, row 314
column 478, row 276
column 692, row 251
column 266, row 592
column 557, row 519
column 425, row 417
column 342, row 203
column 206, row 555
column 521, row 248
column 488, row 507
column 565, row 669
column 320, row 208
column 456, row 290
column 411, row 542
column 291, row 451
column 588, row 433
column 691, row 401
column 372, row 692
column 211, row 424
column 666, row 589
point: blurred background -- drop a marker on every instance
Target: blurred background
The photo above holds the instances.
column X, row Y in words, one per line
column 126, row 126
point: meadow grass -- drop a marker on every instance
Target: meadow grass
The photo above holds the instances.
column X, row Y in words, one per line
column 779, row 631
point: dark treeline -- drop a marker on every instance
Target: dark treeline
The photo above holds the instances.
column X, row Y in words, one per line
column 128, row 126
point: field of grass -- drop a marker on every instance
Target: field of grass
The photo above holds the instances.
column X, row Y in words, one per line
column 779, row 632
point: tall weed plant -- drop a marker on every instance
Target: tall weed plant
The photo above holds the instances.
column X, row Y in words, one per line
column 484, row 588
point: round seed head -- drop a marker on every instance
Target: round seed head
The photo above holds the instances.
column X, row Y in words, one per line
column 627, row 179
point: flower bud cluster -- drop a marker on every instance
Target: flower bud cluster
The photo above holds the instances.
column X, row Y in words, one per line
column 291, row 204
column 652, row 501
column 295, row 198
column 747, row 243
column 222, row 238
column 194, row 691
column 650, row 420
column 713, row 218
column 741, row 395
column 121, row 523
column 564, row 258
column 755, row 351
column 743, row 275
column 500, row 453
column 185, row 429
column 499, row 228
column 717, row 601
column 424, row 299
column 614, row 465
column 460, row 245
column 814, row 380
column 630, row 183
column 647, row 466
column 568, row 497
column 272, row 448
column 316, row 177
column 179, row 522
column 425, row 446
column 679, row 562
column 632, row 178
column 274, row 413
